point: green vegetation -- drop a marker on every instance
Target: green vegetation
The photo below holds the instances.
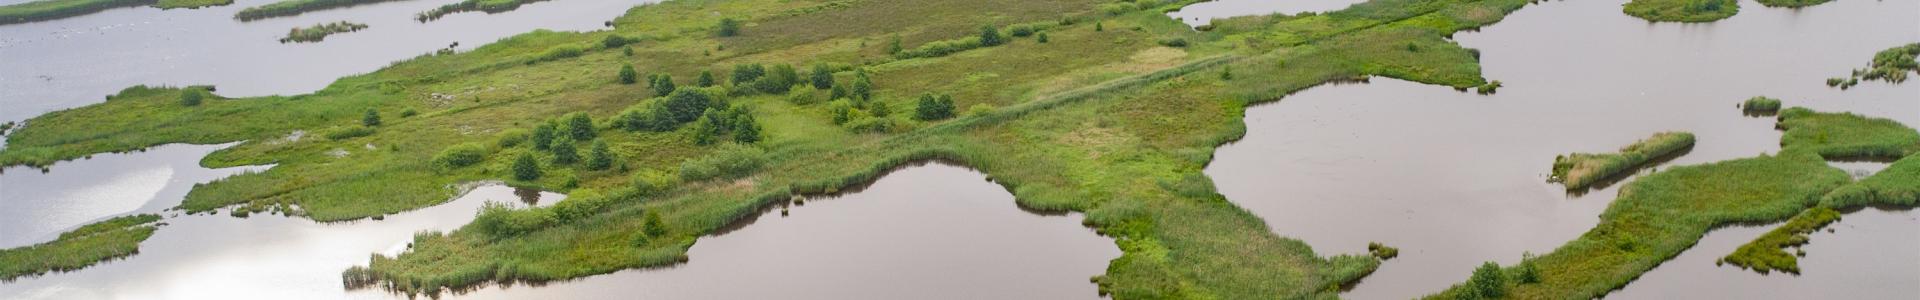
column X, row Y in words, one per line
column 1891, row 65
column 43, row 10
column 320, row 32
column 488, row 6
column 1579, row 170
column 1792, row 3
column 1689, row 11
column 1760, row 106
column 1109, row 123
column 82, row 247
column 1662, row 214
column 288, row 8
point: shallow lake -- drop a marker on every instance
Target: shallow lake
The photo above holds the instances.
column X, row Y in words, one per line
column 79, row 60
column 925, row 232
column 1455, row 179
column 36, row 206
column 1204, row 12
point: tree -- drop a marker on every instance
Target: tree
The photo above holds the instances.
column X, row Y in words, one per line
column 580, row 126
column 564, row 151
column 746, row 73
column 1529, row 273
column 525, row 168
column 371, row 119
column 706, row 79
column 777, row 81
column 543, row 135
column 822, row 76
column 842, row 111
column 686, row 106
column 663, row 85
column 745, row 129
column 729, row 27
column 600, row 158
column 1487, row 282
column 879, row 109
column 862, row 88
column 713, row 124
column 654, row 228
column 627, row 75
column 931, row 108
column 838, row 92
column 990, row 36
column 190, row 97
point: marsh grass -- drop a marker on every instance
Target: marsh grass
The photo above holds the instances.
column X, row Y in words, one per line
column 1759, row 106
column 1580, row 170
column 1688, row 11
column 488, row 6
column 319, row 32
column 288, row 8
column 82, row 247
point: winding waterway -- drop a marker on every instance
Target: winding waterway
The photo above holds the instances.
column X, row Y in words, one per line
column 1455, row 179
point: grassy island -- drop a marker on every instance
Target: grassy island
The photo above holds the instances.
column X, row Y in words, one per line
column 1580, row 170
column 1662, row 214
column 320, row 32
column 290, row 8
column 488, row 6
column 90, row 244
column 746, row 103
column 43, row 10
column 1792, row 3
column 1687, row 11
column 1891, row 65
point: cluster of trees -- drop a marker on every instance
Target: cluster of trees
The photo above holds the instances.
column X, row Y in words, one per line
column 988, row 36
column 561, row 138
column 934, row 108
column 717, row 121
column 735, row 122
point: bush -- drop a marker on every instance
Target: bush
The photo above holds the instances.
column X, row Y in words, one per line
column 842, row 111
column 1020, row 30
column 526, row 168
column 408, row 113
column 728, row 27
column 1174, row 42
column 822, row 76
column 686, row 106
column 990, row 36
column 1382, row 251
column 600, row 157
column 627, row 75
column 1487, row 282
column 653, row 226
column 543, row 135
column 1041, row 38
column 729, row 162
column 651, row 182
column 499, row 220
column 464, row 154
column 564, row 151
column 513, row 137
column 614, row 41
column 663, row 85
column 744, row 74
column 580, row 126
column 191, row 97
column 372, row 118
column 706, row 79
column 932, row 108
column 1761, row 104
column 872, row 124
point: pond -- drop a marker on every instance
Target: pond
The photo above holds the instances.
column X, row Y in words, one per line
column 36, row 206
column 924, row 232
column 1455, row 179
column 78, row 61
column 1203, row 13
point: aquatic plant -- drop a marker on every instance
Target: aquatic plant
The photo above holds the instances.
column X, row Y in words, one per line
column 1760, row 105
column 488, row 6
column 82, row 247
column 320, row 32
column 1891, row 65
column 287, row 8
column 1579, row 170
column 1690, row 11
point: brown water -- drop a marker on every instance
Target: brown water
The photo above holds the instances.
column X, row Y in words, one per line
column 925, row 232
column 1204, row 12
column 222, row 257
column 35, row 207
column 1455, row 179
column 76, row 61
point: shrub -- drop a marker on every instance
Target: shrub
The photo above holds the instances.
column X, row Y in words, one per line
column 872, row 124
column 543, row 135
column 557, row 53
column 1020, row 30
column 842, row 111
column 564, row 151
column 191, row 97
column 1529, row 270
column 745, row 73
column 879, row 109
column 499, row 220
column 663, row 85
column 580, row 126
column 600, row 157
column 372, row 118
column 706, row 79
column 1761, row 104
column 653, row 226
column 862, row 88
column 745, row 129
column 822, row 76
column 650, row 182
column 990, row 36
column 408, row 113
column 614, row 41
column 1174, row 42
column 461, row 155
column 1041, row 38
column 728, row 27
column 513, row 137
column 627, row 75
column 686, row 106
column 1382, row 251
column 932, row 108
column 729, row 162
column 525, row 167
column 1487, row 282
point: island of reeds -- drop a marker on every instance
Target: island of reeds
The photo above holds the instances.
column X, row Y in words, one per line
column 488, row 6
column 90, row 244
column 288, row 8
column 1891, row 65
column 319, row 32
column 1686, row 11
column 44, row 10
column 1579, row 170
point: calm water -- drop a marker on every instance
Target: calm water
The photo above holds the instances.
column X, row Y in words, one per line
column 925, row 232
column 76, row 61
column 1870, row 254
column 222, row 257
column 36, row 207
column 1204, row 12
column 1456, row 179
